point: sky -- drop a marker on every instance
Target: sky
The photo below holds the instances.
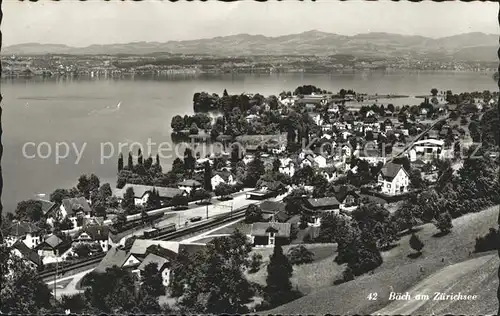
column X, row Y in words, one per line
column 81, row 24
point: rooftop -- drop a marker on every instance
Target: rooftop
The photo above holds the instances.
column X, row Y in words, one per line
column 262, row 229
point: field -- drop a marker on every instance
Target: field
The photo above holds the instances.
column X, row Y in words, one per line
column 305, row 277
column 399, row 273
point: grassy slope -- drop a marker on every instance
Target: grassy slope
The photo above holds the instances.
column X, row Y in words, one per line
column 399, row 271
column 306, row 277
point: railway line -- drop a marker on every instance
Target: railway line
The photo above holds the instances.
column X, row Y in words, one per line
column 49, row 275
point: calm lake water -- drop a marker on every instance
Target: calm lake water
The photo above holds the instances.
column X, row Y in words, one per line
column 80, row 112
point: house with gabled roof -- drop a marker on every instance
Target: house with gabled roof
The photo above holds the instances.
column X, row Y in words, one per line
column 54, row 249
column 189, row 185
column 222, row 177
column 269, row 233
column 94, row 235
column 21, row 250
column 393, row 179
column 27, row 232
column 76, row 209
column 142, row 193
column 145, row 251
column 317, row 207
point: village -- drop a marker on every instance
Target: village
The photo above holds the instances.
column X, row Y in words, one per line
column 330, row 155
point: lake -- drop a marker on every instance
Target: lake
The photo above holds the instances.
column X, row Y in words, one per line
column 103, row 113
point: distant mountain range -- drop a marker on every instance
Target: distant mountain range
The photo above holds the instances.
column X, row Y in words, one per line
column 469, row 46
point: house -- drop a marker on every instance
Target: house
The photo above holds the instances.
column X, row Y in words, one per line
column 372, row 156
column 75, row 209
column 346, row 152
column 251, row 117
column 427, row 149
column 54, row 249
column 329, row 173
column 319, row 206
column 349, row 200
column 142, row 193
column 320, row 161
column 26, row 232
column 260, row 194
column 189, row 185
column 393, row 179
column 163, row 266
column 287, row 166
column 222, row 177
column 270, row 233
column 143, row 252
column 307, row 161
column 48, row 207
column 21, row 250
column 94, row 235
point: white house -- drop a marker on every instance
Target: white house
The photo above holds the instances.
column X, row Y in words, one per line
column 23, row 231
column 330, row 174
column 54, row 249
column 142, row 193
column 393, row 179
column 222, row 177
column 189, row 185
column 96, row 234
column 287, row 167
column 428, row 149
column 320, row 161
column 75, row 209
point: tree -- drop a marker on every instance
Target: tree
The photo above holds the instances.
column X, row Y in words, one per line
column 82, row 250
column 30, row 210
column 300, row 255
column 152, row 281
column 120, row 221
column 105, row 192
column 189, row 160
column 434, row 92
column 254, row 172
column 58, row 195
column 130, row 163
column 278, row 288
column 276, row 165
column 255, row 263
column 128, row 201
column 212, row 281
column 416, row 180
column 207, row 177
column 201, row 195
column 416, row 244
column 406, row 217
column 179, row 200
column 193, row 129
column 22, row 292
column 83, row 186
column 225, row 94
column 120, row 162
column 223, row 190
column 177, row 123
column 154, row 200
column 253, row 214
column 443, row 223
column 147, row 304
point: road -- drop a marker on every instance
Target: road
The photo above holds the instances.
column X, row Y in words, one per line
column 70, row 288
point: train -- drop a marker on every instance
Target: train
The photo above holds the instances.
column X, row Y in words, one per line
column 154, row 232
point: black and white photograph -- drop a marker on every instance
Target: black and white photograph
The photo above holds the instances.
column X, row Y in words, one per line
column 249, row 157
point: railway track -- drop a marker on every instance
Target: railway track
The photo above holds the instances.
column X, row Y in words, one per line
column 211, row 223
